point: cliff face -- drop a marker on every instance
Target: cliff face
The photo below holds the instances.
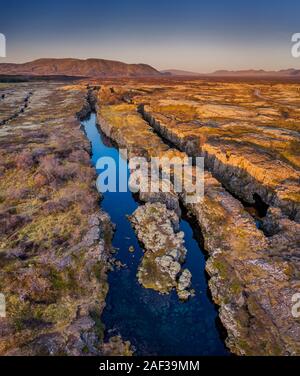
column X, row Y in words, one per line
column 77, row 67
column 252, row 276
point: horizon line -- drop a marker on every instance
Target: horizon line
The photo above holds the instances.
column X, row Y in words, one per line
column 159, row 70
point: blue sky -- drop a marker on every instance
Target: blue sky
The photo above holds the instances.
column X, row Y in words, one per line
column 194, row 35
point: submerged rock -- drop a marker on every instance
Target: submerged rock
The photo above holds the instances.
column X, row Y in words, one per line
column 131, row 249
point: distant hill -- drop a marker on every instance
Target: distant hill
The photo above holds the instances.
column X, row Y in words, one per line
column 178, row 72
column 258, row 73
column 284, row 73
column 77, row 67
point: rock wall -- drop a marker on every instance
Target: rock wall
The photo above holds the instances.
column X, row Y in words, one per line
column 242, row 176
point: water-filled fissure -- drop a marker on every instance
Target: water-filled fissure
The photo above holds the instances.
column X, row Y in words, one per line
column 155, row 324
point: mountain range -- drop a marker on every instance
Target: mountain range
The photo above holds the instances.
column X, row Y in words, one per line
column 292, row 73
column 111, row 68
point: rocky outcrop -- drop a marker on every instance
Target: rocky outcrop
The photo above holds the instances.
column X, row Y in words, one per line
column 184, row 283
column 160, row 269
column 251, row 285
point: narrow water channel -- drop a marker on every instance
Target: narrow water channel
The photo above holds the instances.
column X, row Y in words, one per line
column 154, row 324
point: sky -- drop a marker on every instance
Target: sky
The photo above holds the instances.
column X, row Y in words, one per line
column 195, row 35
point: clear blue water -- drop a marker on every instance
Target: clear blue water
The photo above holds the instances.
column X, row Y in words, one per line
column 155, row 324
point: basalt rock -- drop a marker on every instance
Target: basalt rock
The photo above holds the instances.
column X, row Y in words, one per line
column 251, row 282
